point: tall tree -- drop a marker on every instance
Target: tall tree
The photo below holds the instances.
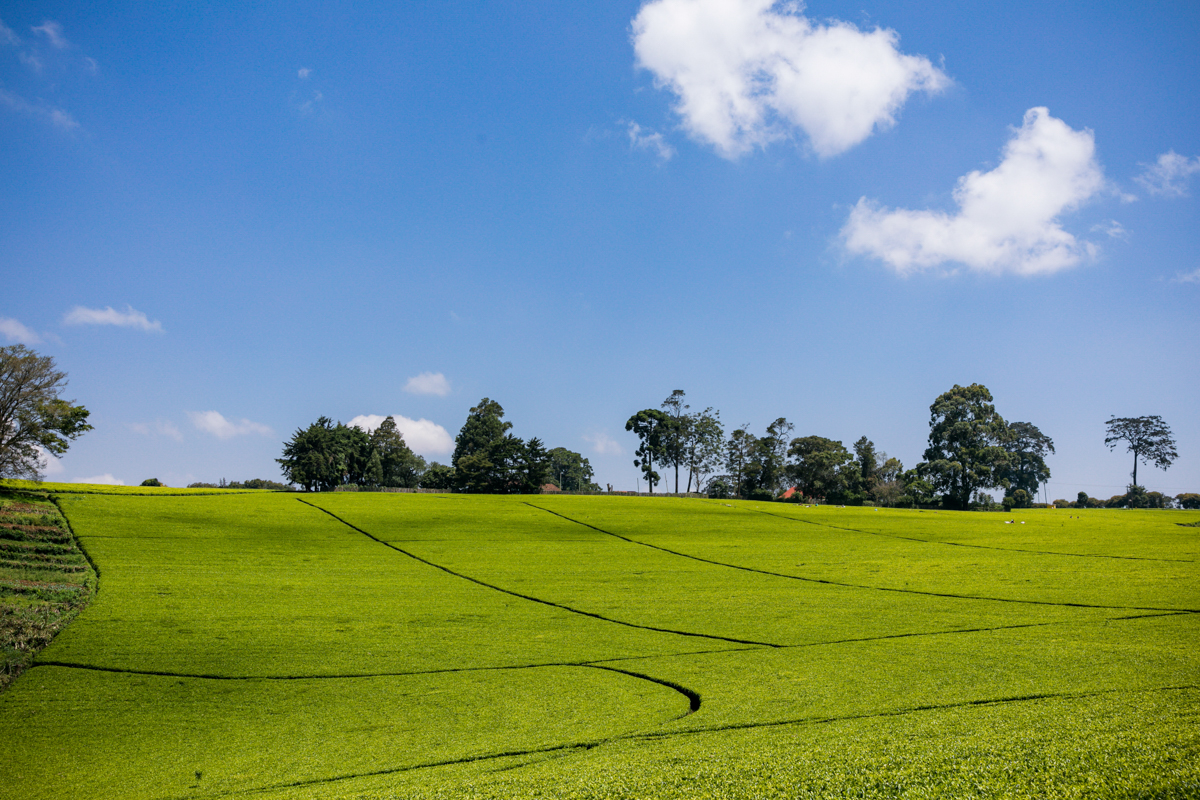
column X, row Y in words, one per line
column 312, row 458
column 966, row 444
column 398, row 465
column 674, row 438
column 740, row 460
column 820, row 467
column 651, row 426
column 438, row 476
column 532, row 466
column 1027, row 449
column 772, row 457
column 864, row 451
column 354, row 448
column 703, row 445
column 32, row 415
column 1148, row 438
column 571, row 470
column 480, row 449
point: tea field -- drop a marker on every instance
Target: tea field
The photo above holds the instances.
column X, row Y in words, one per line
column 456, row 646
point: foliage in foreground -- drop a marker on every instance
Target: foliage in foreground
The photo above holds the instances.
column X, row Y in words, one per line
column 44, row 579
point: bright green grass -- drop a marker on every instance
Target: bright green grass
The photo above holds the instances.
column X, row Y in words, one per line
column 308, row 660
column 100, row 488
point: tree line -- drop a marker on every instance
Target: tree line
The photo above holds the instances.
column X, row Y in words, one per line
column 971, row 449
column 487, row 459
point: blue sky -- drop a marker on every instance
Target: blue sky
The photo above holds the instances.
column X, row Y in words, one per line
column 225, row 222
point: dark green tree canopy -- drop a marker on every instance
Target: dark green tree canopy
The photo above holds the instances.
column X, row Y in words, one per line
column 392, row 462
column 1027, row 450
column 438, row 476
column 32, row 415
column 704, row 437
column 570, row 471
column 482, row 450
column 966, row 444
column 820, row 467
column 674, row 439
column 1148, row 438
column 652, row 428
column 314, row 458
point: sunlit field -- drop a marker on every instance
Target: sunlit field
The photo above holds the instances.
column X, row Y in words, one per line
column 417, row 645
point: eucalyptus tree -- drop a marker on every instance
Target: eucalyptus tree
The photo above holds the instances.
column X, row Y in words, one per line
column 571, row 470
column 740, row 459
column 673, row 451
column 1027, row 448
column 820, row 467
column 966, row 444
column 1148, row 438
column 772, row 456
column 704, row 441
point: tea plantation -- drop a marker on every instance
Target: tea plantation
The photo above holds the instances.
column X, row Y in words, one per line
column 460, row 646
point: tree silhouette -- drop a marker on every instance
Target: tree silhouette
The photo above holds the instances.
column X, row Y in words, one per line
column 1149, row 439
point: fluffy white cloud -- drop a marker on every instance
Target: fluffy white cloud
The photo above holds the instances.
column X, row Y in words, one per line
column 604, row 445
column 422, row 435
column 1187, row 277
column 129, row 318
column 14, row 331
column 643, row 139
column 1169, row 175
column 161, row 427
column 303, row 72
column 106, row 478
column 45, row 113
column 428, row 383
column 1007, row 219
column 216, row 424
column 748, row 72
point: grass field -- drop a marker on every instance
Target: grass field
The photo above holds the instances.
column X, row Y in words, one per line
column 408, row 645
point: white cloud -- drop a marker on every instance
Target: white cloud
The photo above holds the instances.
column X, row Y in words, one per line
column 54, row 32
column 40, row 111
column 14, row 331
column 1187, row 277
column 129, row 318
column 748, row 72
column 309, row 105
column 304, row 72
column 1112, row 228
column 1007, row 219
column 160, row 427
column 428, row 383
column 106, row 478
column 50, row 464
column 604, row 445
column 422, row 435
column 1169, row 175
column 216, row 424
column 643, row 139
column 8, row 35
